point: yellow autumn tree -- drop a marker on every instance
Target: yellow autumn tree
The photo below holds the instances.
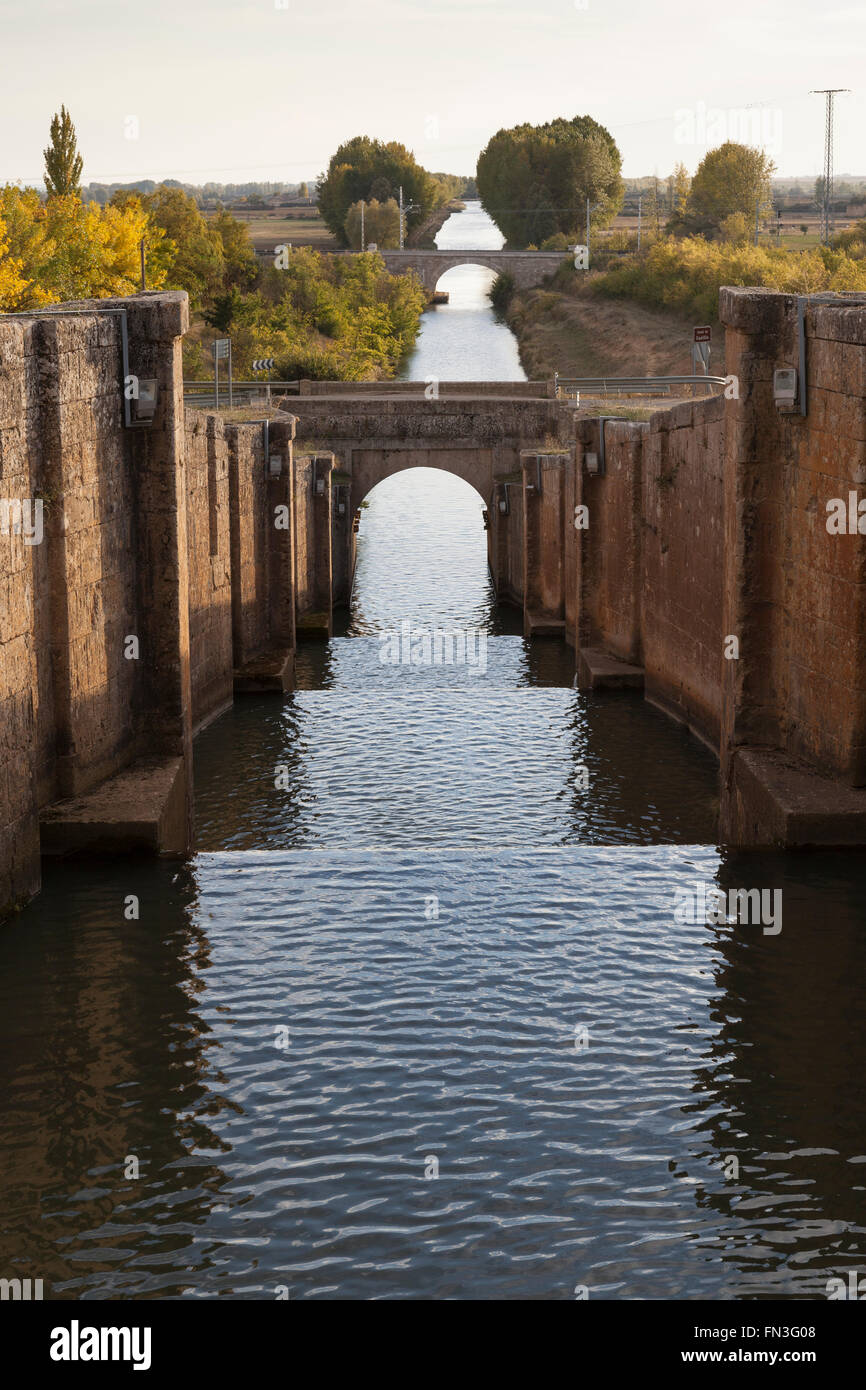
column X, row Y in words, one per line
column 21, row 211
column 12, row 282
column 66, row 249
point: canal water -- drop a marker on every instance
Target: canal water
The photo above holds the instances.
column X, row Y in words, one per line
column 418, row 1018
column 464, row 340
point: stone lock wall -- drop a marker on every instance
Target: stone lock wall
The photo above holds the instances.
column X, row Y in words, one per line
column 210, row 570
column 23, row 575
column 608, row 610
column 794, row 733
column 708, row 565
column 250, row 522
column 682, row 530
column 505, row 540
column 313, row 556
column 81, row 635
column 544, row 542
column 159, row 586
column 650, row 577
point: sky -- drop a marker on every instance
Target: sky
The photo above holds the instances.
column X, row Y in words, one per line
column 255, row 90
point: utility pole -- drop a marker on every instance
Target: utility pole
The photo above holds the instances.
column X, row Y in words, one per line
column 639, row 201
column 143, row 282
column 401, row 217
column 826, row 217
column 757, row 216
column 589, row 210
column 363, row 241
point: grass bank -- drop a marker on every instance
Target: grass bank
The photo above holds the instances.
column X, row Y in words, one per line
column 568, row 327
column 423, row 238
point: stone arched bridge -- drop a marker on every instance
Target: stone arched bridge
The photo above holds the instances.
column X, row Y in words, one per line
column 476, row 430
column 529, row 268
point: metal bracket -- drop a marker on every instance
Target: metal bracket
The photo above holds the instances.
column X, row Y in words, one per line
column 802, row 301
column 602, row 421
column 266, row 439
column 801, row 351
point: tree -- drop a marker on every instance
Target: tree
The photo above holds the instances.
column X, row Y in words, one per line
column 535, row 180
column 63, row 163
column 12, row 282
column 227, row 309
column 852, row 241
column 160, row 250
column 682, row 184
column 381, row 225
column 198, row 261
column 65, row 249
column 23, row 213
column 735, row 229
column 381, row 190
column 731, row 178
column 241, row 265
column 365, row 169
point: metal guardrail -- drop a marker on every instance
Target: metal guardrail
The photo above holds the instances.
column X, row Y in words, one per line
column 631, row 385
column 202, row 393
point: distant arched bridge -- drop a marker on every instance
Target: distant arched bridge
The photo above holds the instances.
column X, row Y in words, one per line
column 529, row 268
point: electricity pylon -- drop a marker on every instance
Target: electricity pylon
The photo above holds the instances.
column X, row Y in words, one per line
column 826, row 214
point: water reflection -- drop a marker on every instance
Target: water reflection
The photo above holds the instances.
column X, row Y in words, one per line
column 110, row 1084
column 452, row 1035
column 422, row 556
column 780, row 1089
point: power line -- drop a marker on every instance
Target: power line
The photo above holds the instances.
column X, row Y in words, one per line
column 170, row 173
column 319, row 163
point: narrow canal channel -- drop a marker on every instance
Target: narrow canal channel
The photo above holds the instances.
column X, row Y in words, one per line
column 417, row 1019
column 464, row 340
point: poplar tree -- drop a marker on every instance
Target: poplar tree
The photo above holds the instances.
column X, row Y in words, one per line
column 63, row 163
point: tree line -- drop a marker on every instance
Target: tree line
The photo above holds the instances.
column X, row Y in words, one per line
column 319, row 316
column 540, row 183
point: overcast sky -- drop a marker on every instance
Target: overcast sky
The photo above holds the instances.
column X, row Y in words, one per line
column 237, row 90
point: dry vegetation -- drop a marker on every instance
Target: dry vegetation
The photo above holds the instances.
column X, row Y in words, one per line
column 576, row 333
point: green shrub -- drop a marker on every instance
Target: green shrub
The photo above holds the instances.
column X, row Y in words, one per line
column 328, row 317
column 501, row 291
column 686, row 275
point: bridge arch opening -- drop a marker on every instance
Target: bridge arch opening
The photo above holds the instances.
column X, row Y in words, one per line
column 422, row 554
column 420, row 470
column 467, row 284
column 472, row 466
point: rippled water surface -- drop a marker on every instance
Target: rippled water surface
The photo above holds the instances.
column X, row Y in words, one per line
column 374, row 754
column 413, row 1040
column 417, row 1020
